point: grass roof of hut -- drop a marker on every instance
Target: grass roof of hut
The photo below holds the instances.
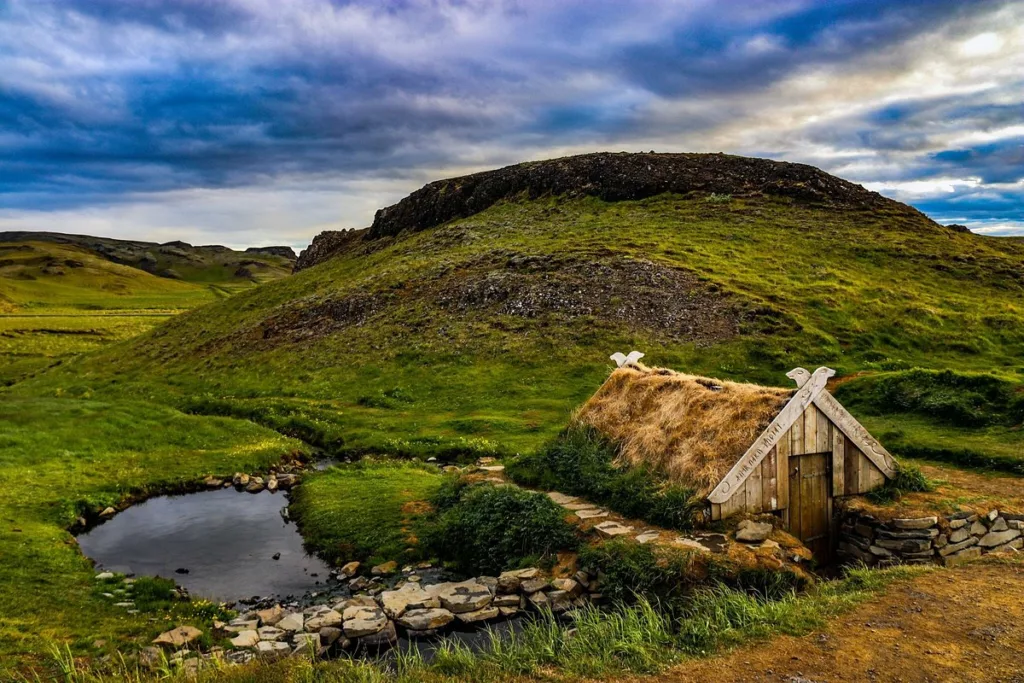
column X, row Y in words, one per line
column 692, row 429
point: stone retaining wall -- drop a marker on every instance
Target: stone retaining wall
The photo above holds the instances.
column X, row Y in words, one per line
column 948, row 540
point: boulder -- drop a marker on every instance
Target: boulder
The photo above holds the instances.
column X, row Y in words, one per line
column 349, row 570
column 961, row 534
column 271, row 615
column 271, row 651
column 464, row 597
column 425, row 619
column 569, row 586
column 385, row 569
column 978, row 529
column 354, row 601
column 327, row 618
column 151, row 658
column 559, row 601
column 241, row 480
column 270, row 633
column 272, row 484
column 291, row 622
column 306, row 644
column 997, row 538
column 531, row 586
column 255, row 485
column 177, row 637
column 962, row 556
column 104, row 576
column 386, row 637
column 363, row 621
column 329, row 635
column 108, row 512
column 408, row 597
column 954, row 548
column 287, row 481
column 999, row 525
column 359, row 583
column 909, row 545
column 246, row 639
column 506, row 601
column 752, row 532
column 213, row 482
column 479, row 615
column 915, row 523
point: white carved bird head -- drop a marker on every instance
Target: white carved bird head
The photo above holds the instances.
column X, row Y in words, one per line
column 799, row 375
column 624, row 361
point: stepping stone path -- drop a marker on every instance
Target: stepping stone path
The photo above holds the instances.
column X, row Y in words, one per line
column 647, row 537
column 611, row 528
column 591, row 513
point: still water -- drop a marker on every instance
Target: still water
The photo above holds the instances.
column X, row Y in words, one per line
column 226, row 540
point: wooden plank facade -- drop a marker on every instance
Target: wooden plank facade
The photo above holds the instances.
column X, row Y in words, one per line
column 770, row 486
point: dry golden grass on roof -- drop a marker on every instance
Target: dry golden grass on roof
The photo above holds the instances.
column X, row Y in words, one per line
column 692, row 429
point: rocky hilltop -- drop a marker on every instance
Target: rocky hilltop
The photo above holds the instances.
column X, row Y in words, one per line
column 609, row 176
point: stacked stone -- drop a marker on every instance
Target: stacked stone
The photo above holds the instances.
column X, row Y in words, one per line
column 374, row 621
column 952, row 540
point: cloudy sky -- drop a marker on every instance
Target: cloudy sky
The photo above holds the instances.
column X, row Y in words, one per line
column 246, row 122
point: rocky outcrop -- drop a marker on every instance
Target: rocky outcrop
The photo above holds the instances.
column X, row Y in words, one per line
column 285, row 252
column 949, row 540
column 609, row 176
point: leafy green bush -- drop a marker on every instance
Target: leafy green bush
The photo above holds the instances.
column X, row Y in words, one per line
column 955, row 398
column 582, row 462
column 908, row 479
column 484, row 528
column 631, row 569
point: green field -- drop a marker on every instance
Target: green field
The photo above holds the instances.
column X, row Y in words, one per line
column 58, row 301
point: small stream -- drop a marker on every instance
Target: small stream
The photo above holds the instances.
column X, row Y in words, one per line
column 226, row 540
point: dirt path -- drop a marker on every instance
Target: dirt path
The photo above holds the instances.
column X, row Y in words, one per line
column 964, row 624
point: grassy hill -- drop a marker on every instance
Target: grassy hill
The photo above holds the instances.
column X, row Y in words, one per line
column 212, row 264
column 61, row 295
column 481, row 332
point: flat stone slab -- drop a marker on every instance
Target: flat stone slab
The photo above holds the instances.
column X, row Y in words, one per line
column 578, row 506
column 647, row 537
column 561, row 498
column 610, row 528
column 493, row 468
column 590, row 514
column 691, row 544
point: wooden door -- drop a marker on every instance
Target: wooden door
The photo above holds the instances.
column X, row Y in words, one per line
column 810, row 503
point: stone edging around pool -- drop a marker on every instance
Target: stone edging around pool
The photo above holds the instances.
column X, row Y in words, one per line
column 373, row 622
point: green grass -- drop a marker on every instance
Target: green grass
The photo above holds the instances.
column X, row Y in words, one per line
column 629, row 640
column 366, row 511
column 61, row 457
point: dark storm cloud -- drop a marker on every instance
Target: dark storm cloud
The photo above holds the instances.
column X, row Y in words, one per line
column 101, row 100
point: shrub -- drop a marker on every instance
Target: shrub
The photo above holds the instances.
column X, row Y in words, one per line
column 581, row 462
column 484, row 528
column 955, row 398
column 631, row 569
column 908, row 479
